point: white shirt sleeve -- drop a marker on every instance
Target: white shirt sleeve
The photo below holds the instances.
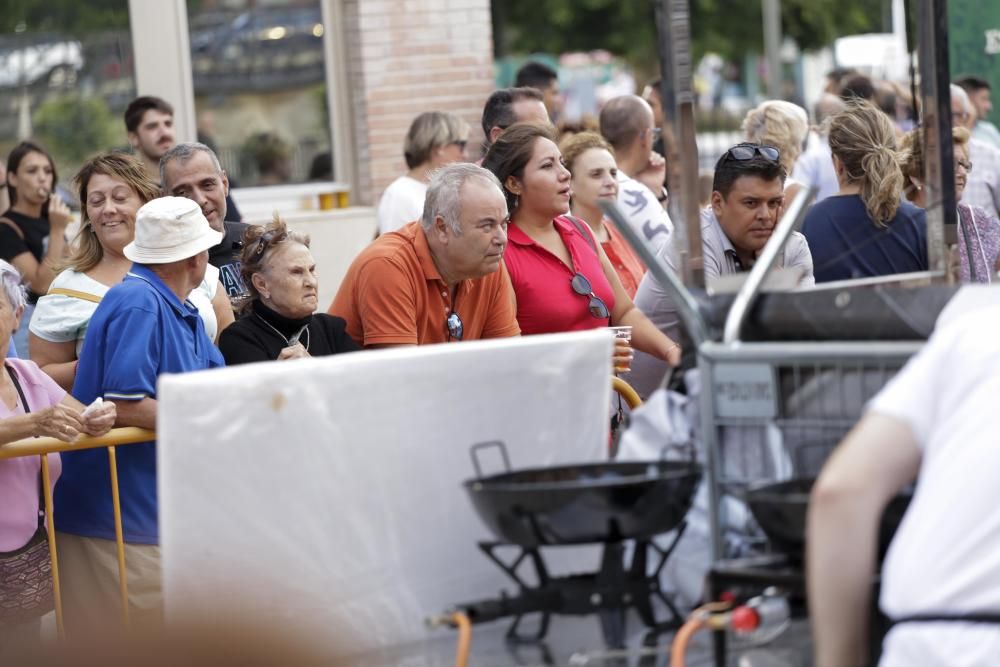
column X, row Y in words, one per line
column 400, row 204
column 62, row 318
column 644, row 213
column 913, row 396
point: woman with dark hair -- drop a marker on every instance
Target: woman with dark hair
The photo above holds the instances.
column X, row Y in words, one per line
column 33, row 229
column 112, row 187
column 282, row 323
column 864, row 230
column 978, row 231
column 562, row 278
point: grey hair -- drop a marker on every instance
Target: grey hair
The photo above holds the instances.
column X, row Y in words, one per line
column 185, row 152
column 430, row 130
column 780, row 124
column 957, row 92
column 826, row 106
column 444, row 193
column 17, row 296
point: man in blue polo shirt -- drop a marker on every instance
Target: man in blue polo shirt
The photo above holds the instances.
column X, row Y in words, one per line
column 143, row 327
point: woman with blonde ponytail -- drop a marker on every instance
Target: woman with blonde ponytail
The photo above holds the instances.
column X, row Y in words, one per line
column 865, row 230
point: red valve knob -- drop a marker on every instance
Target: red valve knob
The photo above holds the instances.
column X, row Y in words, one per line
column 745, row 619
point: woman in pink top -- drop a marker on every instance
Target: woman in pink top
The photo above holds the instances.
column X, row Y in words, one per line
column 50, row 412
column 562, row 278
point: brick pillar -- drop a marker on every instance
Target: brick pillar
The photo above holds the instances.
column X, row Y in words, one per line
column 405, row 57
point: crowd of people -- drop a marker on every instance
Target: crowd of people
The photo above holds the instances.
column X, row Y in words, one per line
column 163, row 277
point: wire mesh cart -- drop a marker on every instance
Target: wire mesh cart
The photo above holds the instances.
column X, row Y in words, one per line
column 772, row 411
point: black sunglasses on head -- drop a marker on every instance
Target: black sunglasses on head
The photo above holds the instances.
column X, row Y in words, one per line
column 266, row 239
column 454, row 325
column 582, row 286
column 742, row 152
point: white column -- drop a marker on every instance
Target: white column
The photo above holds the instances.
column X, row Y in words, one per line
column 338, row 95
column 162, row 53
column 772, row 47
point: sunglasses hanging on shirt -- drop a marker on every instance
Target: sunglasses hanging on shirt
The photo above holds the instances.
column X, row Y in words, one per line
column 582, row 286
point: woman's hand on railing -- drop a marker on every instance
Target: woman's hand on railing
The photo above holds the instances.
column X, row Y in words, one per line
column 58, row 421
column 101, row 420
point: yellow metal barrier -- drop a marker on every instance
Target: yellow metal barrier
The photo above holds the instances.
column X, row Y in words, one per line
column 42, row 447
column 626, row 391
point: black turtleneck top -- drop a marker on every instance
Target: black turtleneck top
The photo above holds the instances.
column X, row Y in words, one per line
column 263, row 333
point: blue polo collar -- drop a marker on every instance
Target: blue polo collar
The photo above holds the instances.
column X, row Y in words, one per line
column 144, row 273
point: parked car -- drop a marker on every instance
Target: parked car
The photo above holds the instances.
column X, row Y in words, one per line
column 260, row 49
column 53, row 62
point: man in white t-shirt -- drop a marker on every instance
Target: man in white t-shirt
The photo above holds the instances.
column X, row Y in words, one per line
column 936, row 418
column 627, row 124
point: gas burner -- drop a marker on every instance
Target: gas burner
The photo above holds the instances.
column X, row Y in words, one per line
column 609, row 592
column 610, row 504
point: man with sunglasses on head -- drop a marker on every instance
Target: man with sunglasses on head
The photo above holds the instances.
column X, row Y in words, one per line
column 627, row 123
column 440, row 279
column 746, row 204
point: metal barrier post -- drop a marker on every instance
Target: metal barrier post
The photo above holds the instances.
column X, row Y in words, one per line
column 625, row 390
column 42, row 447
column 50, row 529
column 119, row 535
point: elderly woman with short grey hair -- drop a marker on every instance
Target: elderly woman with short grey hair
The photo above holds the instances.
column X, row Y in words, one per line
column 281, row 323
column 31, row 405
column 435, row 139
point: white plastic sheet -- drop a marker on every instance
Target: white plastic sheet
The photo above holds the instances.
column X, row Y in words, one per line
column 325, row 495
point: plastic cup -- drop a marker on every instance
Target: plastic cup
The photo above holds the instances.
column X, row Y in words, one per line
column 625, row 334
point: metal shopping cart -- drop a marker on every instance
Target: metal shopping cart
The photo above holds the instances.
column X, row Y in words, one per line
column 772, row 408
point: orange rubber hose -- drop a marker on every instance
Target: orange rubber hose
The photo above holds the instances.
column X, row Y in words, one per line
column 464, row 644
column 679, row 646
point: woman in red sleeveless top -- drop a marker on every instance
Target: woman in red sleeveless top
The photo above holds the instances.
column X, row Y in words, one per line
column 563, row 280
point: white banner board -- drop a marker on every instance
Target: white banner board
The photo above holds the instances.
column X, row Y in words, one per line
column 325, row 494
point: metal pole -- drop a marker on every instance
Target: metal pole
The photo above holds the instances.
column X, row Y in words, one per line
column 772, row 47
column 939, row 177
column 674, row 31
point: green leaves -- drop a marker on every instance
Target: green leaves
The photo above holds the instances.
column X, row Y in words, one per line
column 731, row 28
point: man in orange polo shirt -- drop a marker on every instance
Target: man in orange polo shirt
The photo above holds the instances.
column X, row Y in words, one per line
column 439, row 279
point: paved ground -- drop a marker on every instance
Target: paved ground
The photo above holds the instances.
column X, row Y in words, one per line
column 577, row 641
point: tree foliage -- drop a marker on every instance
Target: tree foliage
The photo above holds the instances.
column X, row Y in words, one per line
column 731, row 28
column 75, row 127
column 70, row 17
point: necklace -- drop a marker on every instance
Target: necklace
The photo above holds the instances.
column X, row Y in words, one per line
column 304, row 331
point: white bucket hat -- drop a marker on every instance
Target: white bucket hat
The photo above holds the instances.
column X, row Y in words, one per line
column 170, row 229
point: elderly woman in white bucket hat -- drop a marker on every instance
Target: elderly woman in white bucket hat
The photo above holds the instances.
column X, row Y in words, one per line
column 143, row 327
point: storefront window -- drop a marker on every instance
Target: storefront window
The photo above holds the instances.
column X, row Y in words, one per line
column 260, row 88
column 66, row 76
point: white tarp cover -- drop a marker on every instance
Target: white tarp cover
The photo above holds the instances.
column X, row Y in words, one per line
column 325, row 495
